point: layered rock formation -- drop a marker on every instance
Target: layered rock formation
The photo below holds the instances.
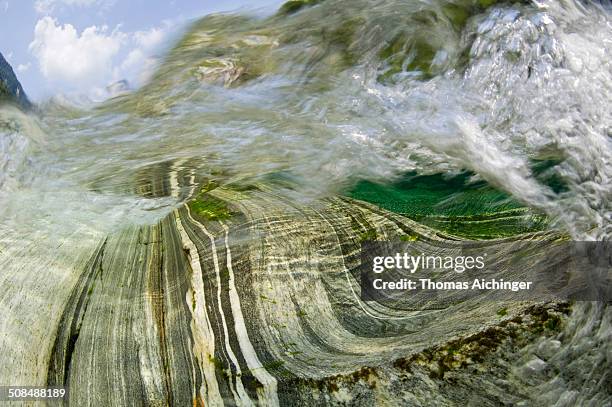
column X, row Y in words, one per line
column 241, row 297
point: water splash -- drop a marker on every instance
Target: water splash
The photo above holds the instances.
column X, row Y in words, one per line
column 332, row 94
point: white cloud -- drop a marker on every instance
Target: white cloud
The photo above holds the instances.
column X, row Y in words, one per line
column 66, row 56
column 151, row 38
column 88, row 61
column 5, row 5
column 23, row 67
column 138, row 66
column 140, row 63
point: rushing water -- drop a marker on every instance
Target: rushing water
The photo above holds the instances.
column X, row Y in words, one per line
column 343, row 91
column 319, row 101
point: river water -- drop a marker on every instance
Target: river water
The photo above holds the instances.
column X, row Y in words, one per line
column 316, row 101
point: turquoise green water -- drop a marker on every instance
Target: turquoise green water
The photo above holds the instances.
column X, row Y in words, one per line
column 452, row 204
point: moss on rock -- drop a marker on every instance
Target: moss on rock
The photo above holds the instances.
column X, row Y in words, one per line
column 209, row 207
column 536, row 320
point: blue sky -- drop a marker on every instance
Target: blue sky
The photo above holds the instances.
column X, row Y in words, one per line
column 81, row 46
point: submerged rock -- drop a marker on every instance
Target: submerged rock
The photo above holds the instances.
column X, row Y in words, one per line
column 241, row 297
column 10, row 88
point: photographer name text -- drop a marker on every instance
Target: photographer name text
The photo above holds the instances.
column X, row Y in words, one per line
column 457, row 264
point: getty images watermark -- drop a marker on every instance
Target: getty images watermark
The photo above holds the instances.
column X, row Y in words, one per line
column 434, row 274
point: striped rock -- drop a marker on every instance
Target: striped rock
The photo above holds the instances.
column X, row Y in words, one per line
column 243, row 297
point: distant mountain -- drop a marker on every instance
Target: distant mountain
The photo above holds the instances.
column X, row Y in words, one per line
column 10, row 88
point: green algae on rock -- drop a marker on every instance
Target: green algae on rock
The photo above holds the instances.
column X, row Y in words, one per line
column 209, row 207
